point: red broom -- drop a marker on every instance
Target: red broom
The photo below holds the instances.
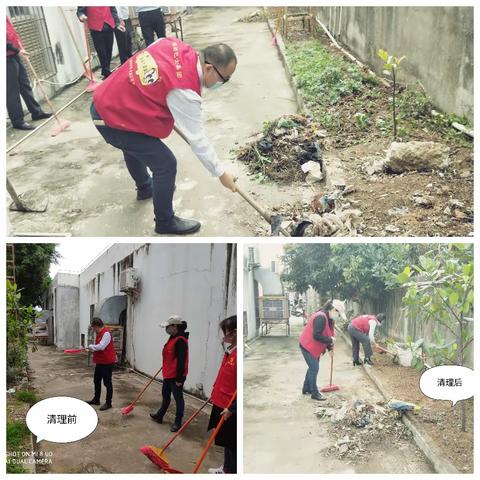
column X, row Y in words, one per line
column 126, row 410
column 92, row 84
column 331, row 387
column 74, row 350
column 62, row 125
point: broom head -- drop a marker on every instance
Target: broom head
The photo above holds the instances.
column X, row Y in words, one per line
column 156, row 456
column 330, row 388
column 74, row 350
column 126, row 410
column 61, row 126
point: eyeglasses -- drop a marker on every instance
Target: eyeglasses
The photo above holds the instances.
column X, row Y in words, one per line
column 224, row 80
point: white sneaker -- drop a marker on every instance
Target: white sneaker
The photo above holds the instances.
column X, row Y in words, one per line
column 216, row 470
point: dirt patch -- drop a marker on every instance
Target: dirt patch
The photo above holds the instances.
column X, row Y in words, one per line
column 439, row 420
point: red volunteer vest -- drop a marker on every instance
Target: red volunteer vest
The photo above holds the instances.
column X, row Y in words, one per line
column 133, row 97
column 307, row 341
column 361, row 323
column 107, row 356
column 226, row 382
column 97, row 16
column 170, row 360
column 12, row 37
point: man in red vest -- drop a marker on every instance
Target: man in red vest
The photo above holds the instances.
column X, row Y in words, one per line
column 175, row 370
column 317, row 337
column 102, row 21
column 362, row 331
column 224, row 399
column 18, row 83
column 104, row 358
column 139, row 104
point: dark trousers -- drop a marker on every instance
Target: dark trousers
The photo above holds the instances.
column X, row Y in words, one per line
column 103, row 42
column 141, row 151
column 169, row 387
column 229, row 460
column 152, row 22
column 358, row 338
column 103, row 372
column 310, row 382
column 18, row 84
column 124, row 41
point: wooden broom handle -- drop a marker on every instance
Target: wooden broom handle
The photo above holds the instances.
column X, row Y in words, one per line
column 212, row 436
column 146, row 386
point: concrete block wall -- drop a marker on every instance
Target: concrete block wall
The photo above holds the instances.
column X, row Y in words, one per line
column 437, row 41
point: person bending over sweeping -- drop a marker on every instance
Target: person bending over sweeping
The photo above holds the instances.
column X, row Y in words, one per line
column 138, row 105
column 104, row 357
column 362, row 331
column 224, row 388
column 317, row 337
column 175, row 370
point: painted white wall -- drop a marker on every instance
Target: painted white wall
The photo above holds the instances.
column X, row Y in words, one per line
column 185, row 279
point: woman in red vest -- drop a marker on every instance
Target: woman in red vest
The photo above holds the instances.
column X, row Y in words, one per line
column 104, row 358
column 224, row 390
column 102, row 21
column 175, row 370
column 362, row 331
column 317, row 337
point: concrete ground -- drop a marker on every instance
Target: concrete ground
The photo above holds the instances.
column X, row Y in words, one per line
column 114, row 447
column 281, row 432
column 89, row 190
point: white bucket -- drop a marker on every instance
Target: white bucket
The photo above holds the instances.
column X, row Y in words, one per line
column 405, row 357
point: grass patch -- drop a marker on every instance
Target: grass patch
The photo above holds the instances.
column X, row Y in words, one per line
column 17, row 433
column 26, row 396
column 353, row 105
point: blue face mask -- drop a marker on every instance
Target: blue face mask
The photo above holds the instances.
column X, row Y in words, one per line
column 215, row 86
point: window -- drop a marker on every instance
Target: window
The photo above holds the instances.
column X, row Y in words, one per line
column 30, row 24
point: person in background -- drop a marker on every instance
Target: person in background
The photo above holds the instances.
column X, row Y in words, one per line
column 124, row 38
column 224, row 390
column 104, row 358
column 18, row 83
column 175, row 370
column 362, row 331
column 102, row 21
column 138, row 106
column 317, row 337
column 151, row 22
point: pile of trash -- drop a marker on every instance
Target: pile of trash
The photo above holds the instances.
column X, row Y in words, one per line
column 360, row 426
column 256, row 16
column 287, row 150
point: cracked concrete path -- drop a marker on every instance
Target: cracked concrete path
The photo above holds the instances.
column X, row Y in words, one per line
column 114, row 446
column 281, row 432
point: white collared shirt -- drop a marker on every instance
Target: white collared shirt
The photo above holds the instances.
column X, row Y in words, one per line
column 186, row 108
column 102, row 345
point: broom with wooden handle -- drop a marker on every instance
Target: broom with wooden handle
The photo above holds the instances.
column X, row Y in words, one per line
column 126, row 410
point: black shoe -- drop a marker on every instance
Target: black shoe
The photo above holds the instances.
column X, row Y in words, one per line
column 178, row 226
column 175, row 427
column 145, row 192
column 42, row 116
column 368, row 361
column 106, row 406
column 357, row 362
column 24, row 126
column 94, row 401
column 318, row 396
column 156, row 418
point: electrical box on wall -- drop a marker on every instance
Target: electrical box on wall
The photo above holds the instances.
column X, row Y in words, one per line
column 128, row 279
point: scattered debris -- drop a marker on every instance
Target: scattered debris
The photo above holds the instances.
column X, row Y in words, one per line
column 360, row 426
column 421, row 200
column 10, row 391
column 418, row 156
column 401, row 407
column 256, row 16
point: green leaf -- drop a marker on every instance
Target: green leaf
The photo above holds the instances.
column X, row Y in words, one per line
column 383, row 55
column 453, row 298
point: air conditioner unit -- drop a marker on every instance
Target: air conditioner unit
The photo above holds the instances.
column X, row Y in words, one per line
column 274, row 308
column 128, row 279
